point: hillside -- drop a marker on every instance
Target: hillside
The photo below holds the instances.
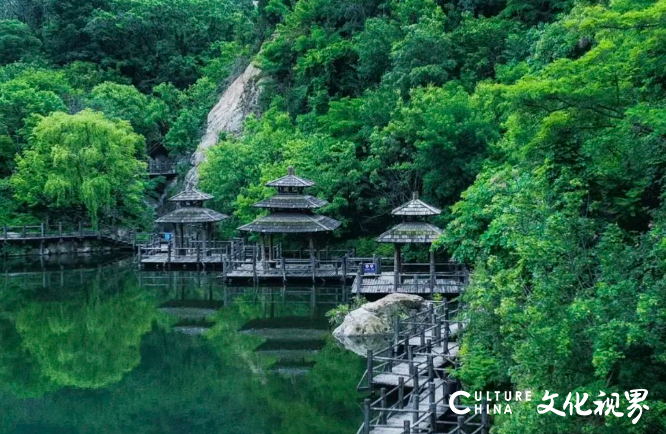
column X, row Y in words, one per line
column 538, row 126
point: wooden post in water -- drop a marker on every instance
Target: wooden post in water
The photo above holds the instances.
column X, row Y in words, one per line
column 41, row 227
column 406, row 429
column 366, row 416
column 382, row 414
column 369, row 368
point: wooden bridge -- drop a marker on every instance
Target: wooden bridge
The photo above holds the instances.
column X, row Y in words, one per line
column 409, row 379
column 161, row 168
column 59, row 232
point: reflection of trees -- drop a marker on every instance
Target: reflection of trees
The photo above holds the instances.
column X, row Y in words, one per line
column 87, row 343
column 19, row 372
column 159, row 381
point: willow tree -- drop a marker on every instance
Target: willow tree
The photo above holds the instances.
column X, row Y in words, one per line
column 85, row 162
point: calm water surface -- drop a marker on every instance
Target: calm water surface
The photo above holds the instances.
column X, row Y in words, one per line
column 95, row 346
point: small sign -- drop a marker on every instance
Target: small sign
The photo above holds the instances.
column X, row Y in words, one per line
column 370, row 268
column 167, row 236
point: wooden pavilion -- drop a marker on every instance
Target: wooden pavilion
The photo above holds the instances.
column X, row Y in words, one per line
column 291, row 212
column 193, row 223
column 413, row 230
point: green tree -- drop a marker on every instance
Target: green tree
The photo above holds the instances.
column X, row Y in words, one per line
column 17, row 42
column 118, row 101
column 82, row 161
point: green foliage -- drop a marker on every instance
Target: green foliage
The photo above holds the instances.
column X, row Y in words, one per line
column 337, row 315
column 17, row 42
column 123, row 102
column 564, row 224
column 82, row 161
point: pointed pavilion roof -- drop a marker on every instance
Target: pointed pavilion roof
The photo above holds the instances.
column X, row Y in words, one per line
column 416, row 207
column 411, row 232
column 291, row 222
column 291, row 201
column 290, row 180
column 191, row 214
column 190, row 195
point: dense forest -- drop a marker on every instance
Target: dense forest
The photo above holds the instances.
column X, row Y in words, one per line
column 539, row 126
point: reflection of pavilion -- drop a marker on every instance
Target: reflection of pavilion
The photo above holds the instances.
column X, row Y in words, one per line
column 291, row 323
column 413, row 278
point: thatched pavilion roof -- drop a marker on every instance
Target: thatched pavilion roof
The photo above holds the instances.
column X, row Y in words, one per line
column 191, row 214
column 291, row 222
column 191, row 195
column 291, row 201
column 411, row 232
column 290, row 180
column 416, row 207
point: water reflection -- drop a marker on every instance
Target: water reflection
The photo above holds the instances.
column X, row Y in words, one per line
column 112, row 350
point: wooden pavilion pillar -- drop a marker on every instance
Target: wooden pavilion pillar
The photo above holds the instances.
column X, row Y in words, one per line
column 396, row 267
column 180, row 229
column 312, row 255
column 432, row 271
column 270, row 247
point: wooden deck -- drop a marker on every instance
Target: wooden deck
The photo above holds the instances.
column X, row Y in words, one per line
column 384, row 284
column 165, row 258
column 292, row 269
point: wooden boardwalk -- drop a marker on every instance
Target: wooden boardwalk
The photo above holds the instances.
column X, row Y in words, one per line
column 165, row 258
column 411, row 380
column 58, row 232
column 410, row 284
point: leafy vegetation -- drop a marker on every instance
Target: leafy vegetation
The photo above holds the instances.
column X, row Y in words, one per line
column 337, row 314
column 538, row 127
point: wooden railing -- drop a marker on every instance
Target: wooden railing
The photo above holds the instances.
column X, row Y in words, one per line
column 418, row 405
column 59, row 230
column 161, row 167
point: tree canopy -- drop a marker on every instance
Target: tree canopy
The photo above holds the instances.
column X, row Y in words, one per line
column 82, row 161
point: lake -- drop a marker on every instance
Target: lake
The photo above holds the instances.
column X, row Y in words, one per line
column 93, row 345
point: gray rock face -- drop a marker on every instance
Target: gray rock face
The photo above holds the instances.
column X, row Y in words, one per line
column 236, row 103
column 376, row 318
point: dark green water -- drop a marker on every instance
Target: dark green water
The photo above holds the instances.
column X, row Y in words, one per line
column 92, row 348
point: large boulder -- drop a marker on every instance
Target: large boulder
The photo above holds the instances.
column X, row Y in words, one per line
column 377, row 318
column 394, row 305
column 360, row 322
